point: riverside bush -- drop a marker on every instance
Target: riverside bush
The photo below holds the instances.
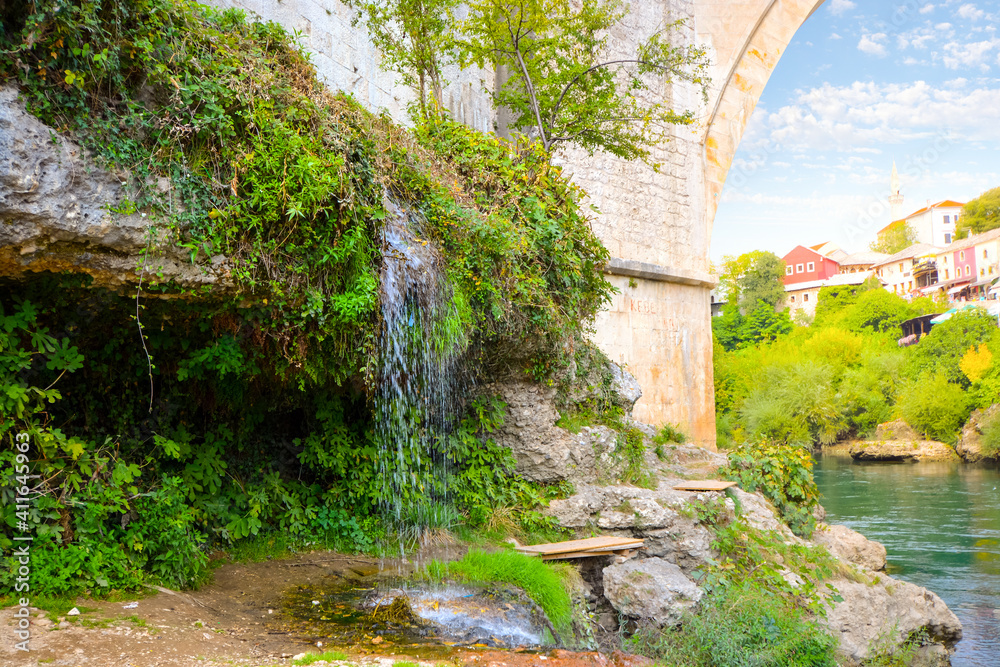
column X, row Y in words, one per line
column 935, row 406
column 943, row 349
column 990, row 443
column 744, row 625
column 782, row 472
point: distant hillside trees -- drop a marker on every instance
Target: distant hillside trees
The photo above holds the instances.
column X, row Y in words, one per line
column 753, row 277
column 982, row 213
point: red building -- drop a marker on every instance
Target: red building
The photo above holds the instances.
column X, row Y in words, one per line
column 804, row 264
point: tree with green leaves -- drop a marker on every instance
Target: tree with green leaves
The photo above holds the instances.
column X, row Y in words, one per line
column 897, row 237
column 753, row 277
column 415, row 39
column 982, row 213
column 565, row 86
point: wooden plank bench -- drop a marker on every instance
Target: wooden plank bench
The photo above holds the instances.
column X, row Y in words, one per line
column 704, row 485
column 590, row 547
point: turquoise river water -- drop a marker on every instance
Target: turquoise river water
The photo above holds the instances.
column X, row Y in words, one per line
column 940, row 523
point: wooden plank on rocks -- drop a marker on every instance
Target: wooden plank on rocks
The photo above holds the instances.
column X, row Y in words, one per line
column 704, row 485
column 589, row 544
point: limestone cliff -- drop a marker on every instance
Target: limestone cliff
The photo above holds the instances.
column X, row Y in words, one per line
column 57, row 213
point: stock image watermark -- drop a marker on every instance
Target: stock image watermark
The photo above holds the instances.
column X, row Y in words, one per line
column 22, row 543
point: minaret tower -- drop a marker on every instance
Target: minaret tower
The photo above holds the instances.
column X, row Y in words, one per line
column 895, row 198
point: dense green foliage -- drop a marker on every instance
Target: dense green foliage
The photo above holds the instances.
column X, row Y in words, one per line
column 934, row 406
column 540, row 580
column 845, row 374
column 982, row 213
column 783, row 474
column 752, row 278
column 778, row 397
column 252, row 415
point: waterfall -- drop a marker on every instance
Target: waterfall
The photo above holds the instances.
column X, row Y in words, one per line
column 421, row 379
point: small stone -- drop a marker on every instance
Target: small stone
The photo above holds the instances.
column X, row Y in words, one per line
column 298, row 656
column 377, row 640
column 73, row 612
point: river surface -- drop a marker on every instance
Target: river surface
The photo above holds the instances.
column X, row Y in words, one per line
column 940, row 523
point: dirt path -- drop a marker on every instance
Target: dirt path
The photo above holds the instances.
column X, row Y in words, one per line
column 236, row 620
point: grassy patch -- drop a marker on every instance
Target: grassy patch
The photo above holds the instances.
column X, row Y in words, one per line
column 744, row 625
column 542, row 582
column 321, row 657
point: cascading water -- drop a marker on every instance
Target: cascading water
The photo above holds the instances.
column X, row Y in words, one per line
column 421, row 379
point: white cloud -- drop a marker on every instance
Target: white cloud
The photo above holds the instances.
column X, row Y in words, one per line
column 969, row 11
column 972, row 54
column 835, row 36
column 839, row 7
column 927, row 9
column 867, row 117
column 873, row 44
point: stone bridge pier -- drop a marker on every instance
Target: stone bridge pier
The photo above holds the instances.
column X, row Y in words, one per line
column 657, row 224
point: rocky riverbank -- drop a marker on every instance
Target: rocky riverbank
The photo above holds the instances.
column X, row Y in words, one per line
column 681, row 532
column 897, row 441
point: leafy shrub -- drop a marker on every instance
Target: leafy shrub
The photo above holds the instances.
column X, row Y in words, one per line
column 783, row 474
column 875, row 311
column 834, row 346
column 793, row 403
column 935, row 406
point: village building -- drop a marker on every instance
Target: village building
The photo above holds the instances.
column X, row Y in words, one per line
column 803, row 265
column 861, row 262
column 968, row 266
column 909, row 270
column 934, row 224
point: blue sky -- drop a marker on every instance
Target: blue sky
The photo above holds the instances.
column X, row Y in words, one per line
column 863, row 83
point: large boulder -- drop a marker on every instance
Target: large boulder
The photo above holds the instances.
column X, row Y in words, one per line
column 55, row 213
column 652, row 591
column 544, row 452
column 888, row 611
column 902, row 450
column 850, row 546
column 969, row 445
